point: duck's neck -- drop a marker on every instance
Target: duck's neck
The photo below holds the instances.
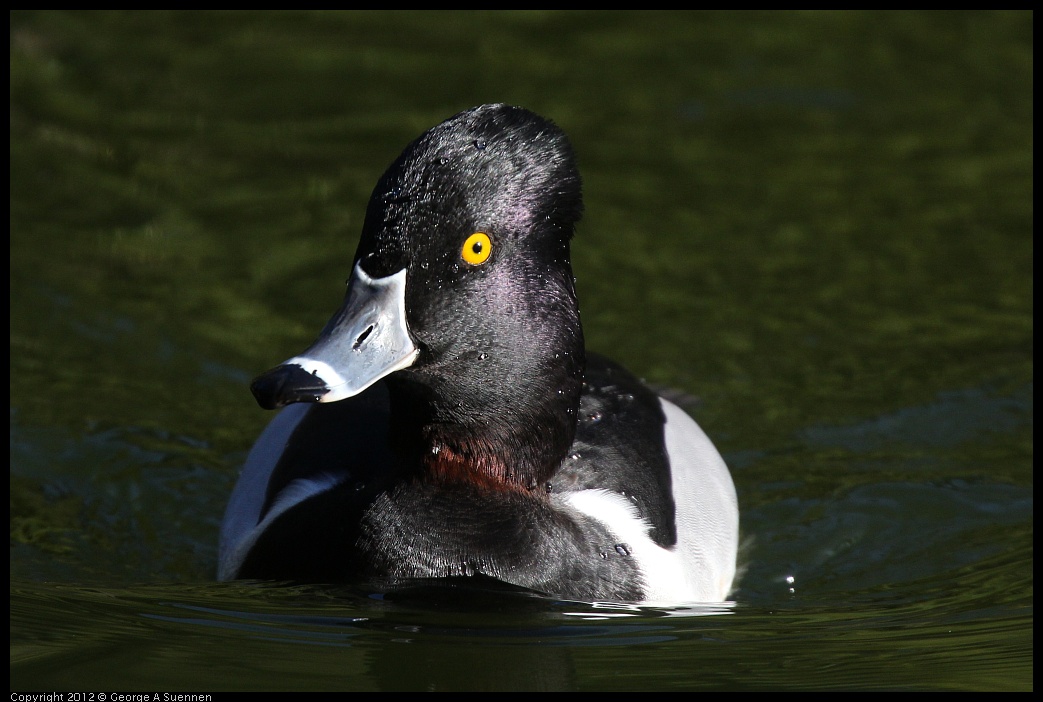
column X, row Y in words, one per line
column 481, row 434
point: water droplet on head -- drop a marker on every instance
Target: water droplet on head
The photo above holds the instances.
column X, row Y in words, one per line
column 479, row 144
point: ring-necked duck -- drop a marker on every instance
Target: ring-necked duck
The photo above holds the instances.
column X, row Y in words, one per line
column 450, row 422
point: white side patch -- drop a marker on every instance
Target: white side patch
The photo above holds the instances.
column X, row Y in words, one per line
column 244, row 506
column 663, row 571
column 240, row 528
column 700, row 567
column 707, row 511
column 293, row 494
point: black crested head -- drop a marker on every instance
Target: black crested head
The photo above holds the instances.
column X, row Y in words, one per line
column 493, row 164
column 500, row 343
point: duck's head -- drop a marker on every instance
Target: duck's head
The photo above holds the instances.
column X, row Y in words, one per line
column 462, row 296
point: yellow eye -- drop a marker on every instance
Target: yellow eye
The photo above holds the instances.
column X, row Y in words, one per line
column 477, row 249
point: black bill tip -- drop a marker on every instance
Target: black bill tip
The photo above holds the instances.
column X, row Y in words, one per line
column 286, row 384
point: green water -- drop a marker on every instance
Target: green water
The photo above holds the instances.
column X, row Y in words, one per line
column 818, row 226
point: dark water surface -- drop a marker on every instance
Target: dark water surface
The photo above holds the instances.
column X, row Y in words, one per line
column 817, row 226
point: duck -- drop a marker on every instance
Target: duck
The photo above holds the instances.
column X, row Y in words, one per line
column 448, row 425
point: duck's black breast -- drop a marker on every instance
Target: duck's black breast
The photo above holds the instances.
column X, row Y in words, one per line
column 418, row 531
column 619, row 446
column 371, row 519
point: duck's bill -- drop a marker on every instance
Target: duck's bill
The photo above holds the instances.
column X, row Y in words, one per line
column 365, row 341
